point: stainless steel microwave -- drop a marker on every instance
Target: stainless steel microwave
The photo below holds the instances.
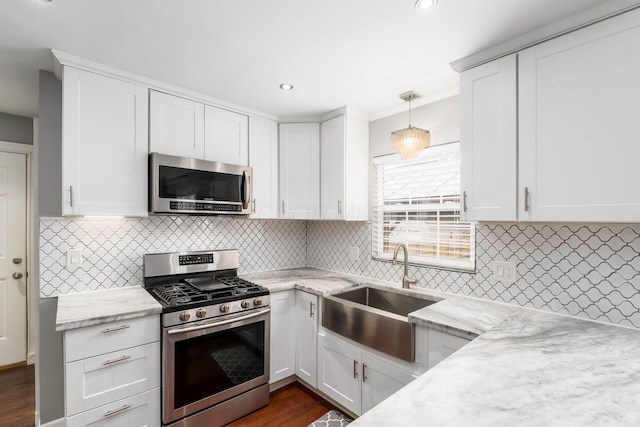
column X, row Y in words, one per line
column 181, row 185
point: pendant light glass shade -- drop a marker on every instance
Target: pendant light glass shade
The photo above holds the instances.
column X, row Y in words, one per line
column 410, row 141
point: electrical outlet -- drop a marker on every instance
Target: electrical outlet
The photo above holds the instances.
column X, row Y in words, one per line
column 504, row 271
column 354, row 253
column 74, row 258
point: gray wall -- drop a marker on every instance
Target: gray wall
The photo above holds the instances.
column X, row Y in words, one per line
column 50, row 146
column 50, row 364
column 16, row 128
column 441, row 118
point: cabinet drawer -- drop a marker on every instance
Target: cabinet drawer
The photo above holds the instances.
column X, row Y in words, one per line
column 137, row 411
column 93, row 382
column 108, row 337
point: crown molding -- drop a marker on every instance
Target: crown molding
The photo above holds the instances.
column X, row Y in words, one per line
column 61, row 59
column 604, row 10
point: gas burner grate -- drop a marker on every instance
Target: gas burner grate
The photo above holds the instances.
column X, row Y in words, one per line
column 174, row 294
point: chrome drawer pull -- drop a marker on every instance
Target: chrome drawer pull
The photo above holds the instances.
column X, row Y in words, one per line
column 119, row 328
column 116, row 411
column 355, row 369
column 119, row 359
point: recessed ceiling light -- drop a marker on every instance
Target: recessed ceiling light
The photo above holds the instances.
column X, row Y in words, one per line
column 286, row 86
column 424, row 5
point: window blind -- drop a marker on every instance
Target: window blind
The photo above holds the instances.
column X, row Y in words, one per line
column 417, row 202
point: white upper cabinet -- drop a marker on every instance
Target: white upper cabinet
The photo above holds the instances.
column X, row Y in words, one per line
column 577, row 101
column 579, row 98
column 104, row 145
column 176, row 126
column 344, row 168
column 488, row 141
column 263, row 158
column 299, row 170
column 226, row 136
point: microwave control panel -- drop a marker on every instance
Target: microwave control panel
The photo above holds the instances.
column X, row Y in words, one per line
column 208, row 207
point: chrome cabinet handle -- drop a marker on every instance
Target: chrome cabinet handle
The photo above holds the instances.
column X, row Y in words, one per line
column 116, row 411
column 355, row 369
column 526, row 199
column 253, row 206
column 283, row 207
column 71, row 195
column 364, row 373
column 339, row 206
column 464, row 201
column 310, row 309
column 119, row 359
column 119, row 328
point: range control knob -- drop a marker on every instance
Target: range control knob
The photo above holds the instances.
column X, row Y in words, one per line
column 257, row 302
column 201, row 312
column 184, row 316
column 224, row 308
column 245, row 304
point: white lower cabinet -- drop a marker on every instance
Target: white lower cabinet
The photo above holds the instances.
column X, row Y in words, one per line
column 283, row 344
column 141, row 410
column 112, row 374
column 354, row 378
column 442, row 345
column 306, row 320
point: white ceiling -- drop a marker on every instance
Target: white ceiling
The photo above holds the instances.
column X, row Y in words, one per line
column 360, row 53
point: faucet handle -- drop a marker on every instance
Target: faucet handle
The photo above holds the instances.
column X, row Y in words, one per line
column 408, row 281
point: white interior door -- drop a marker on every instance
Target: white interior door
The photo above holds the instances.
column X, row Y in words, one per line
column 13, row 291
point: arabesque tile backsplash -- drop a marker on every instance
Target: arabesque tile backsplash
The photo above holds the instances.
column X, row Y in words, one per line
column 589, row 271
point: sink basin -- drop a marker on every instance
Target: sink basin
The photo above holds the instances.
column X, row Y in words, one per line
column 375, row 318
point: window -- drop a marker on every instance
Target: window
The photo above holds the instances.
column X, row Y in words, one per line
column 417, row 202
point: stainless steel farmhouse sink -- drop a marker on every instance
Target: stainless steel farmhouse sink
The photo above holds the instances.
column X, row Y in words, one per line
column 375, row 318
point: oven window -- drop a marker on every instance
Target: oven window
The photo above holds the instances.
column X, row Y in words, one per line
column 207, row 365
column 179, row 183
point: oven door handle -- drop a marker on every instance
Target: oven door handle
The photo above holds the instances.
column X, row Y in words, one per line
column 216, row 324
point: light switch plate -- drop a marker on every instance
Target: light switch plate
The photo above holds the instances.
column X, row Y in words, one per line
column 354, row 253
column 504, row 271
column 74, row 258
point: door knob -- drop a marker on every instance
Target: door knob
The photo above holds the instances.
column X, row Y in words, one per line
column 17, row 275
column 17, row 260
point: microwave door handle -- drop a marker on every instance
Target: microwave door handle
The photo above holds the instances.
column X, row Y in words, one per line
column 246, row 179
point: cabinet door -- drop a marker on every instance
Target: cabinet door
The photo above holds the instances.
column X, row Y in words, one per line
column 226, row 136
column 380, row 380
column 356, row 187
column 332, row 168
column 100, row 380
column 299, row 170
column 579, row 97
column 283, row 350
column 306, row 336
column 488, row 141
column 442, row 345
column 263, row 158
column 176, row 126
column 104, row 145
column 339, row 373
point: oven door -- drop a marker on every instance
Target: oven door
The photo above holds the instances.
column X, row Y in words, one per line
column 208, row 362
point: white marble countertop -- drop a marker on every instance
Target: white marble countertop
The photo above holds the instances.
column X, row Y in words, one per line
column 460, row 316
column 109, row 305
column 533, row 369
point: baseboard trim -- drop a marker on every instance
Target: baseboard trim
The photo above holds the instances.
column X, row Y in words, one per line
column 283, row 382
column 60, row 422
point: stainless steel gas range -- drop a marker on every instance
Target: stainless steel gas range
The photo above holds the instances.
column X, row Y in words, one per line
column 215, row 337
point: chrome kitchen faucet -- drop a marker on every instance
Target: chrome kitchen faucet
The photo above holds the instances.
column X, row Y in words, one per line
column 406, row 280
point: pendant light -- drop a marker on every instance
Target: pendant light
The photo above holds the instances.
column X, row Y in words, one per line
column 410, row 141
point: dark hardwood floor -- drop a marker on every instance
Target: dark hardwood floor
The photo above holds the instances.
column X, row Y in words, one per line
column 18, row 396
column 291, row 406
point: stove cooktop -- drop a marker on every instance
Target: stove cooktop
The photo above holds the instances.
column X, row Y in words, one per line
column 201, row 291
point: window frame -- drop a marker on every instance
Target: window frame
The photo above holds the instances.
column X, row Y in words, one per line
column 377, row 210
